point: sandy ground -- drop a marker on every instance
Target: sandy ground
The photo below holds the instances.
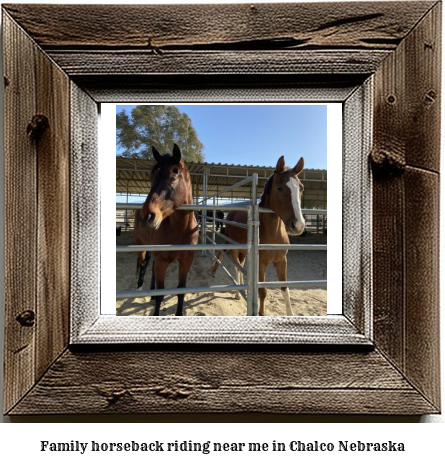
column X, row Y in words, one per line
column 302, row 265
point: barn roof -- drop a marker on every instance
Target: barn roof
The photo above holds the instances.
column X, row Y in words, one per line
column 133, row 176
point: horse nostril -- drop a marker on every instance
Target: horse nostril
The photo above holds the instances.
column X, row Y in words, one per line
column 148, row 218
column 296, row 227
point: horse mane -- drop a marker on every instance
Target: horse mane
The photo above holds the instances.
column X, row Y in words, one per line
column 268, row 186
column 266, row 190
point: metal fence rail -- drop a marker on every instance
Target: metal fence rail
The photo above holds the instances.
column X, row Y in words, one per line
column 181, row 290
column 252, row 247
column 228, row 207
column 174, row 247
column 311, row 247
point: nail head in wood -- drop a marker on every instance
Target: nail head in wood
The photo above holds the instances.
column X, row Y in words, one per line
column 430, row 97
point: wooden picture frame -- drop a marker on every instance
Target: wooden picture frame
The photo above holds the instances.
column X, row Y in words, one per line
column 56, row 72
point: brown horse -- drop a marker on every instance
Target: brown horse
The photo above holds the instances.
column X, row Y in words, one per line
column 159, row 222
column 282, row 194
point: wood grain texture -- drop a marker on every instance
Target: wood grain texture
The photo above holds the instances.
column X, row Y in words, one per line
column 303, row 44
column 85, row 208
column 129, row 63
column 230, row 39
column 53, row 223
column 225, row 88
column 215, row 381
column 335, row 330
column 388, row 268
column 37, row 217
column 159, row 27
column 407, row 118
column 406, row 240
column 423, row 91
column 422, row 364
column 388, row 200
column 357, row 208
column 20, row 213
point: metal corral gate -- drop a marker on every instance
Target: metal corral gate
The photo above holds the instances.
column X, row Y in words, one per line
column 252, row 247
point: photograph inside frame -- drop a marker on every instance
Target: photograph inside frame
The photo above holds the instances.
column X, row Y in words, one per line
column 221, row 209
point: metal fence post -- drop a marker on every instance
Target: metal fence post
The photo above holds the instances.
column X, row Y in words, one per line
column 204, row 212
column 250, row 276
column 253, row 240
column 213, row 222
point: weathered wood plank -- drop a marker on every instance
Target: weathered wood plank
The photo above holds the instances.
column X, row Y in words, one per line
column 406, row 209
column 78, row 63
column 53, row 228
column 85, row 207
column 422, row 323
column 401, row 376
column 357, row 209
column 346, row 25
column 388, row 200
column 388, row 268
column 423, row 92
column 218, row 87
column 20, row 213
column 223, row 382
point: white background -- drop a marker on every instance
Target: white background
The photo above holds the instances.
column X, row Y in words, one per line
column 20, row 442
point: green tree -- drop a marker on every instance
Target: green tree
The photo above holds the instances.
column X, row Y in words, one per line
column 158, row 125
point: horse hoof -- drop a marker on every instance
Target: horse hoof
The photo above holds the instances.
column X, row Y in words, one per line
column 139, row 288
column 238, row 296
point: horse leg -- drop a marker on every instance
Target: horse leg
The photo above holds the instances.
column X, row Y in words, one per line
column 281, row 269
column 184, row 267
column 153, row 279
column 142, row 263
column 241, row 261
column 211, row 271
column 262, row 291
column 238, row 275
column 160, row 269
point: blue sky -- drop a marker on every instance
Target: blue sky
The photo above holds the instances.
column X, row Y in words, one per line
column 259, row 134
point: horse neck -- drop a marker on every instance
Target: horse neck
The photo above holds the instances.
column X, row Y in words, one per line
column 270, row 223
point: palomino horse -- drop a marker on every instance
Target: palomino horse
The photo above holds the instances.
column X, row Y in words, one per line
column 282, row 194
column 159, row 222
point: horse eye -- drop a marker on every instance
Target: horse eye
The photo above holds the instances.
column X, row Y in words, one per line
column 280, row 189
column 175, row 171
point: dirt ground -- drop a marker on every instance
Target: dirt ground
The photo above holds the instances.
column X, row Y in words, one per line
column 302, row 265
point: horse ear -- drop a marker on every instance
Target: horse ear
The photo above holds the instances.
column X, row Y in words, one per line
column 299, row 166
column 280, row 165
column 156, row 153
column 176, row 154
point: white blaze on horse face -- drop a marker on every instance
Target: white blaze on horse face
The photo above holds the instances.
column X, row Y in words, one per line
column 295, row 196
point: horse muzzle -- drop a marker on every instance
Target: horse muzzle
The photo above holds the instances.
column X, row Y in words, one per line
column 151, row 221
column 295, row 227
